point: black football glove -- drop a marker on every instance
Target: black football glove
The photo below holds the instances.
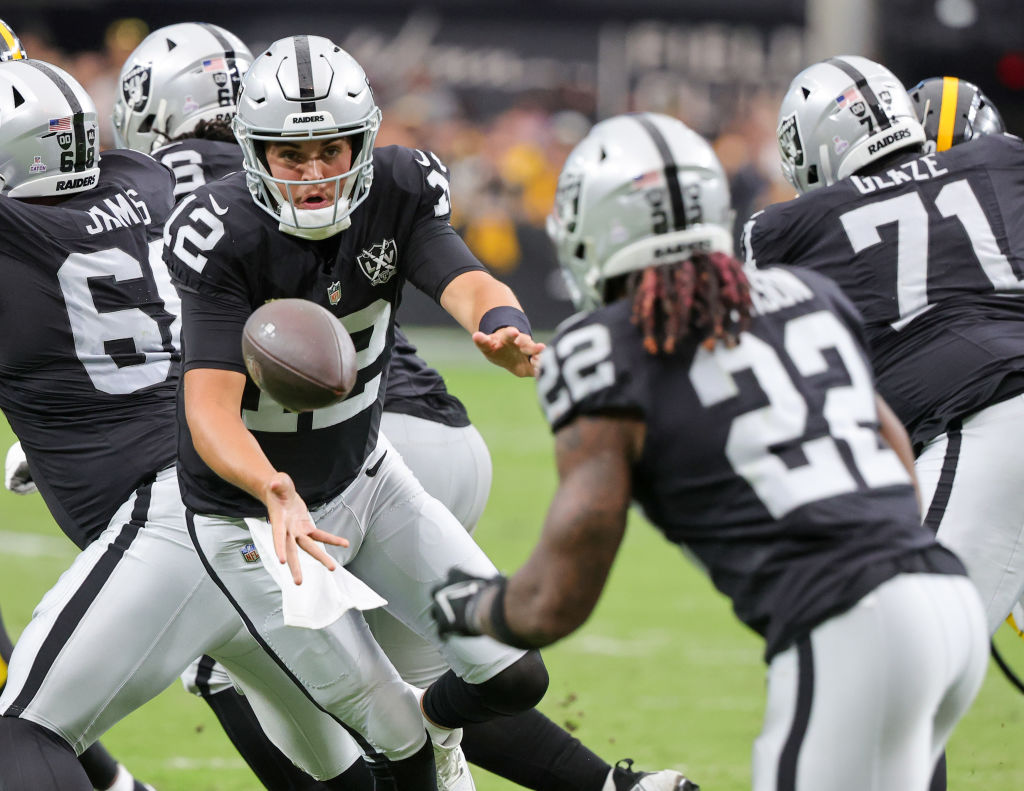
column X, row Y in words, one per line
column 455, row 606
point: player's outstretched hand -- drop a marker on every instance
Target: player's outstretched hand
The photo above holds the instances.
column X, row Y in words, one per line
column 294, row 528
column 456, row 601
column 511, row 349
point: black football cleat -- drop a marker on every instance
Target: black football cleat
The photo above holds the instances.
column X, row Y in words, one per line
column 626, row 779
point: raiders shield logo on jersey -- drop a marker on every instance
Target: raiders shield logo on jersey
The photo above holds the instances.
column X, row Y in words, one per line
column 378, row 261
column 135, row 87
column 789, row 140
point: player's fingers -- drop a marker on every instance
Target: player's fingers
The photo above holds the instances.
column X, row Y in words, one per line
column 328, row 538
column 318, row 552
column 292, row 552
column 280, row 539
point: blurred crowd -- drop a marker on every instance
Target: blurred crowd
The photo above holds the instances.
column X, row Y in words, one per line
column 504, row 165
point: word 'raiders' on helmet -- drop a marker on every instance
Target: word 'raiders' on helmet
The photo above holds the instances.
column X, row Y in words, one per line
column 48, row 132
column 639, row 190
column 840, row 115
column 307, row 88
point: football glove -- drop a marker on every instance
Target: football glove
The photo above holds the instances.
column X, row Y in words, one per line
column 456, row 601
column 17, row 477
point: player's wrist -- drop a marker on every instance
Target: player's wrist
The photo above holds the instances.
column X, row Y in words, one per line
column 504, row 316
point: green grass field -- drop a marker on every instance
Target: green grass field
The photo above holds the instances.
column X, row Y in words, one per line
column 662, row 672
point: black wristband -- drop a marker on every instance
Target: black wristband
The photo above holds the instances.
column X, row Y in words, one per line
column 499, row 626
column 504, row 316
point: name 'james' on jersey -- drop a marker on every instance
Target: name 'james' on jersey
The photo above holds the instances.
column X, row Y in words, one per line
column 89, row 340
column 765, row 460
column 228, row 257
column 929, row 248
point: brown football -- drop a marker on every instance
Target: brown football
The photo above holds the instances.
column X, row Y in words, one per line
column 299, row 354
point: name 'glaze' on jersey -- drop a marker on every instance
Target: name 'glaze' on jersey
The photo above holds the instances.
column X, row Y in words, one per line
column 929, row 250
column 89, row 347
column 228, row 257
column 795, row 515
column 413, row 387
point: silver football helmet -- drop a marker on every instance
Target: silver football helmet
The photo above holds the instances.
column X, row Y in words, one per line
column 840, row 115
column 639, row 190
column 11, row 47
column 954, row 111
column 307, row 88
column 48, row 131
column 178, row 76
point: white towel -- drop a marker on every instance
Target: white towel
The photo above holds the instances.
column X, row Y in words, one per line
column 324, row 596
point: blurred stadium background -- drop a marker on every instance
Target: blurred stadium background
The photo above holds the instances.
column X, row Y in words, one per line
column 501, row 90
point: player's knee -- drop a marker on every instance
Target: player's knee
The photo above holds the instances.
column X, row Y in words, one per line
column 518, row 687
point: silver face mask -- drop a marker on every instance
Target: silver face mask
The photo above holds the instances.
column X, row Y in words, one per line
column 307, row 88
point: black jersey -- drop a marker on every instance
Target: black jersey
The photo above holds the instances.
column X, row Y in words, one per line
column 931, row 251
column 228, row 257
column 195, row 162
column 414, row 388
column 89, row 356
column 764, row 460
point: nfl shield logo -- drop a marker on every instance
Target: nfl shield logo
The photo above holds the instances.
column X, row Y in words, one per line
column 334, row 292
column 250, row 554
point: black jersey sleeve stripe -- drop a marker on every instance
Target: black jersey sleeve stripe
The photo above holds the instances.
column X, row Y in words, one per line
column 304, row 65
column 71, row 615
column 671, row 171
column 801, row 717
column 77, row 113
column 861, row 81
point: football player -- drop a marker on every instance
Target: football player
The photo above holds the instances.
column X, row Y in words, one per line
column 428, row 426
column 927, row 246
column 740, row 414
column 103, row 769
column 303, row 221
column 953, row 111
column 91, row 393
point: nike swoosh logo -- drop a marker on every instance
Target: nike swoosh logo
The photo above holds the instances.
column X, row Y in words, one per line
column 372, row 471
column 217, row 209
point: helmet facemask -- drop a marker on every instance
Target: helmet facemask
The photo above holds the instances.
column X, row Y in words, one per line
column 307, row 88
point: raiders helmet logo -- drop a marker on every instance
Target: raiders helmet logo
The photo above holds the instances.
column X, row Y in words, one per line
column 789, row 141
column 379, row 261
column 221, row 78
column 567, row 200
column 64, row 140
column 90, row 135
column 135, row 87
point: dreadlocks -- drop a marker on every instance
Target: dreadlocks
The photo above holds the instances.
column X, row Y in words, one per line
column 707, row 295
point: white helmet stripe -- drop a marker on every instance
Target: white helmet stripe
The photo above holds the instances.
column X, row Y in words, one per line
column 671, row 171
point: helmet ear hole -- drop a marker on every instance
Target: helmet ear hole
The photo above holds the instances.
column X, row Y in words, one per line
column 147, row 123
column 18, row 98
column 812, row 174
